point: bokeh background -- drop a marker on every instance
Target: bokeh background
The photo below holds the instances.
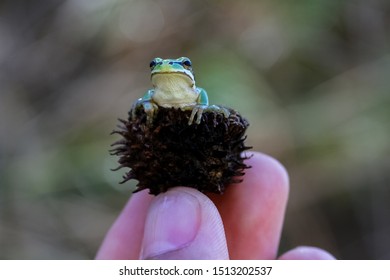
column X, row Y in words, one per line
column 312, row 77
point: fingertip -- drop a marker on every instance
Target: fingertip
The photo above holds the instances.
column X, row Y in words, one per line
column 183, row 224
column 270, row 170
column 307, row 253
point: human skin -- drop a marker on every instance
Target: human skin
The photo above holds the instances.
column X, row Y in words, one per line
column 243, row 223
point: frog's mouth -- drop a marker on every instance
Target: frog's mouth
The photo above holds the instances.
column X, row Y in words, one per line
column 162, row 78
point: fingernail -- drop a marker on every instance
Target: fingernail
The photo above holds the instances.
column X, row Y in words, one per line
column 172, row 223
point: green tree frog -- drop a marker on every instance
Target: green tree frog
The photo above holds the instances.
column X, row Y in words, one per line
column 174, row 87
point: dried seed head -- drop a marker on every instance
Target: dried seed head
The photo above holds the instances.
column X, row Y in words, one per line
column 168, row 152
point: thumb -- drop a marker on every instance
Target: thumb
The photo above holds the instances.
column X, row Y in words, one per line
column 183, row 224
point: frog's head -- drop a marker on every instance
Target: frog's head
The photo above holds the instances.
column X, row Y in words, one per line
column 164, row 70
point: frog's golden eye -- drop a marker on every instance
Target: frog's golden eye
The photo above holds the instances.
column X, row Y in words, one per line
column 187, row 63
column 152, row 64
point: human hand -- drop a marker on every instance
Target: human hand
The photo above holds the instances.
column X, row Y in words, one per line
column 183, row 223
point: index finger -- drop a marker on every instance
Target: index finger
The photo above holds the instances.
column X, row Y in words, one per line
column 253, row 211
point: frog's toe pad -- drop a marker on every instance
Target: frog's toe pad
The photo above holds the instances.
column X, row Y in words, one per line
column 219, row 109
column 197, row 111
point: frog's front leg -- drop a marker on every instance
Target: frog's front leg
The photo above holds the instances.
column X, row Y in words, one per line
column 149, row 106
column 202, row 107
column 202, row 103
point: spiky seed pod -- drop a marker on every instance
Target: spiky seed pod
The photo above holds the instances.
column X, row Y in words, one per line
column 168, row 152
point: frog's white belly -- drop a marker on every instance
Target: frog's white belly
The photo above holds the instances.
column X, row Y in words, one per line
column 175, row 93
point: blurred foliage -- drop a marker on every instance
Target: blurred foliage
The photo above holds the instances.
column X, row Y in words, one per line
column 311, row 76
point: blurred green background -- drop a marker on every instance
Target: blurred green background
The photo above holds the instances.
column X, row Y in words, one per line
column 312, row 77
